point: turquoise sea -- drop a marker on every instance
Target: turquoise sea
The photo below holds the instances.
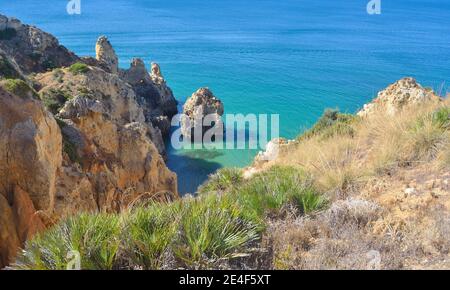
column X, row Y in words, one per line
column 292, row 57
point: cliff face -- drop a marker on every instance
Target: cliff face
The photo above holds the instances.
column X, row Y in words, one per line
column 30, row 48
column 152, row 93
column 78, row 135
column 30, row 146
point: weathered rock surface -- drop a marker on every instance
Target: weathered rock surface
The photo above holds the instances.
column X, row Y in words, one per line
column 30, row 148
column 167, row 101
column 30, row 155
column 118, row 152
column 105, row 54
column 94, row 88
column 202, row 103
column 9, row 240
column 152, row 93
column 27, row 219
column 19, row 221
column 99, row 150
column 9, row 68
column 403, row 93
column 30, row 48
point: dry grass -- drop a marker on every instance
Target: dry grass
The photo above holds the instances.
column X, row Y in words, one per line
column 331, row 162
column 379, row 145
column 384, row 156
column 339, row 238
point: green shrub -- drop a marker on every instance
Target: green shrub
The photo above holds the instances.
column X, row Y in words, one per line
column 54, row 99
column 209, row 231
column 222, row 180
column 272, row 191
column 78, row 68
column 95, row 237
column 19, row 88
column 71, row 149
column 8, row 34
column 149, row 233
column 427, row 136
column 331, row 123
column 310, row 201
column 441, row 118
column 48, row 64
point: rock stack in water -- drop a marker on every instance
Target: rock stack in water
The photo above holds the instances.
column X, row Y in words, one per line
column 200, row 107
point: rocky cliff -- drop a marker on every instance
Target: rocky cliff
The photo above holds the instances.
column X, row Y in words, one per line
column 76, row 134
column 31, row 49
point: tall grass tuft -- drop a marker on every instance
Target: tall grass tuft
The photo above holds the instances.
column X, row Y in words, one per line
column 222, row 180
column 331, row 123
column 268, row 193
column 95, row 237
column 211, row 229
column 148, row 234
column 427, row 136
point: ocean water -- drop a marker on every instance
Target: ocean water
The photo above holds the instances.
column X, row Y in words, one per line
column 292, row 57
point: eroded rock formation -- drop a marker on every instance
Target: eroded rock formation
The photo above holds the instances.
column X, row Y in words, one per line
column 201, row 104
column 403, row 93
column 32, row 49
column 152, row 93
column 105, row 54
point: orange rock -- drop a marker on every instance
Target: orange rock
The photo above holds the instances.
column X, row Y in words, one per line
column 27, row 221
column 9, row 241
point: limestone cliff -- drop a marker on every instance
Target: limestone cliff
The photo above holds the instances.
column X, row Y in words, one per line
column 30, row 48
column 152, row 93
column 76, row 135
column 30, row 156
